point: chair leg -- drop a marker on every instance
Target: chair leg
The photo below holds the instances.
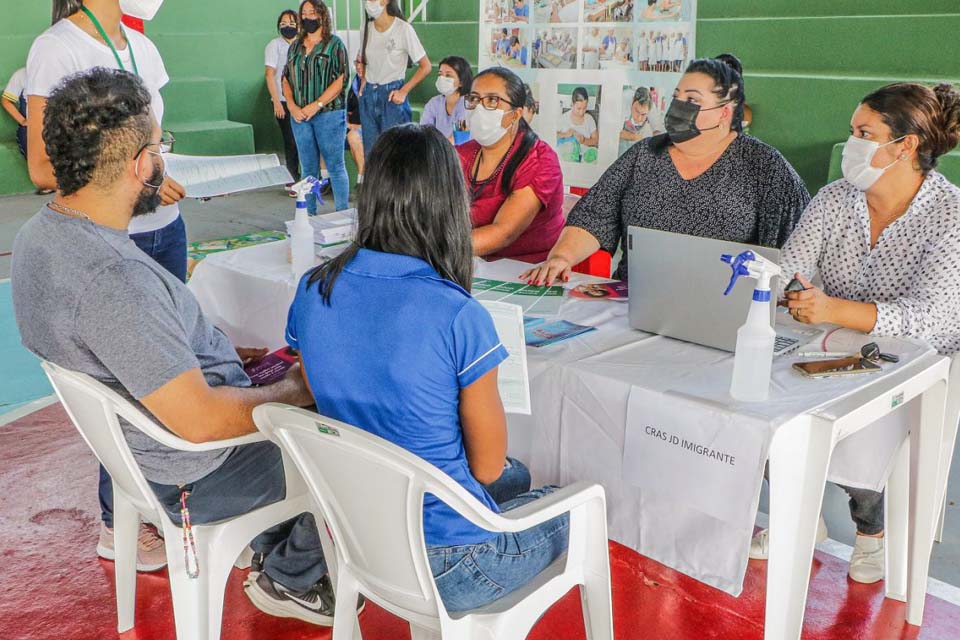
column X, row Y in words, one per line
column 597, row 603
column 896, row 527
column 126, row 525
column 943, row 515
column 419, row 633
column 346, row 625
column 197, row 602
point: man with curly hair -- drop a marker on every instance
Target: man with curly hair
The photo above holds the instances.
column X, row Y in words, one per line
column 88, row 299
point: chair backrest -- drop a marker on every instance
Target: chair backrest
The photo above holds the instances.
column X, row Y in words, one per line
column 94, row 409
column 370, row 492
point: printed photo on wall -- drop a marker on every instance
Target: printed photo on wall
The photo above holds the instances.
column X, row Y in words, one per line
column 607, row 48
column 506, row 11
column 663, row 48
column 505, row 46
column 555, row 48
column 608, row 10
column 643, row 108
column 657, row 10
column 578, row 137
column 557, row 11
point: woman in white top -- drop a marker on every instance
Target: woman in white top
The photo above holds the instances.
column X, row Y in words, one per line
column 885, row 241
column 81, row 38
column 92, row 36
column 275, row 59
column 389, row 42
column 577, row 123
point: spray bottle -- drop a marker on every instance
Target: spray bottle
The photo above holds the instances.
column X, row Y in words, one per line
column 755, row 339
column 302, row 252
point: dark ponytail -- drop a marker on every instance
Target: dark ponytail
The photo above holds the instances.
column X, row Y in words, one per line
column 727, row 74
column 516, row 91
column 64, row 8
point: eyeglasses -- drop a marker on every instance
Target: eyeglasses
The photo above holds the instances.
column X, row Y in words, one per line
column 166, row 142
column 489, row 102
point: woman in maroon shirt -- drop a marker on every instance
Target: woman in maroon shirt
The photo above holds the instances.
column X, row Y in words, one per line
column 513, row 177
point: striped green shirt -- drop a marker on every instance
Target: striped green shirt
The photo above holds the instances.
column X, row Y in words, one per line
column 309, row 74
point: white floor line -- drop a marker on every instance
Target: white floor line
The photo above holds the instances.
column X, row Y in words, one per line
column 935, row 588
column 27, row 409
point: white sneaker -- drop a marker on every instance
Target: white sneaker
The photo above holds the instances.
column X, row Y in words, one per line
column 760, row 544
column 151, row 554
column 867, row 562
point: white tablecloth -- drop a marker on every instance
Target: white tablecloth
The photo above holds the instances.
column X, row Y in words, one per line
column 595, row 394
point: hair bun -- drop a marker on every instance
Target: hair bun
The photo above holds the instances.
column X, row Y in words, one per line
column 731, row 61
column 949, row 98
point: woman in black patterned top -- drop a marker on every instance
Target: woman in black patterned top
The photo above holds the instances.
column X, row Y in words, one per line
column 704, row 177
column 315, row 82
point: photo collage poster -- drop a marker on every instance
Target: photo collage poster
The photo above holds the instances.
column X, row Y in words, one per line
column 602, row 71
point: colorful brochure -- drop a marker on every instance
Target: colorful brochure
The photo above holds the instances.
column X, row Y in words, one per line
column 543, row 333
column 271, row 367
column 601, row 291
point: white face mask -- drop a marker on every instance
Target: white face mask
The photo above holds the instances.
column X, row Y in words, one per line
column 446, row 85
column 857, row 155
column 485, row 125
column 143, row 9
column 374, row 9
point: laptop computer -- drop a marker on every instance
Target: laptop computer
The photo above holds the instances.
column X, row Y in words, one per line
column 677, row 284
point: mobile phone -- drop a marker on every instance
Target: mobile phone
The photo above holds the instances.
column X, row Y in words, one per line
column 838, row 367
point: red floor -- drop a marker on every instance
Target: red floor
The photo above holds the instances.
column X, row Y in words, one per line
column 54, row 587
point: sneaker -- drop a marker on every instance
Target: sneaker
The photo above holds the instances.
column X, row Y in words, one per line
column 151, row 554
column 315, row 605
column 867, row 561
column 760, row 544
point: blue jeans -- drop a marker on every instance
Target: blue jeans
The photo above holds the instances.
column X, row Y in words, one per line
column 168, row 247
column 252, row 477
column 514, row 480
column 22, row 131
column 378, row 113
column 471, row 576
column 324, row 134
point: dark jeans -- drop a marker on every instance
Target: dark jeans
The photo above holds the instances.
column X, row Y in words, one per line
column 378, row 113
column 289, row 145
column 22, row 131
column 866, row 509
column 250, row 478
column 168, row 247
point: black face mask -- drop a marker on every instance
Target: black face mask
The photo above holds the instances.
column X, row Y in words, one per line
column 311, row 25
column 289, row 32
column 149, row 198
column 681, row 120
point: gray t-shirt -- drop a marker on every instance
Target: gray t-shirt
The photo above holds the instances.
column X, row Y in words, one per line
column 87, row 299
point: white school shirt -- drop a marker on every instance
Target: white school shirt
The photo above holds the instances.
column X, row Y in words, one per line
column 16, row 85
column 65, row 49
column 387, row 52
column 585, row 129
column 643, row 50
column 912, row 274
column 275, row 57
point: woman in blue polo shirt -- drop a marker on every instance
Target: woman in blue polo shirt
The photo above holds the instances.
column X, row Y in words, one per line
column 392, row 342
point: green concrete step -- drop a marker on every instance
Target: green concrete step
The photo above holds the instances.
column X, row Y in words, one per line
column 194, row 99
column 949, row 165
column 452, row 11
column 796, row 8
column 216, row 138
column 442, row 39
column 862, row 45
column 13, row 170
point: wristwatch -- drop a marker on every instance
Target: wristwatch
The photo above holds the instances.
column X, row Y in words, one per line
column 320, row 104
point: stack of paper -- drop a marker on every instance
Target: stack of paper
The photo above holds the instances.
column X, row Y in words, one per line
column 211, row 176
column 332, row 228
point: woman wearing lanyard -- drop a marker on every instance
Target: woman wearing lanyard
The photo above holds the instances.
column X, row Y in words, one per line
column 315, row 85
column 275, row 59
column 81, row 38
column 388, row 43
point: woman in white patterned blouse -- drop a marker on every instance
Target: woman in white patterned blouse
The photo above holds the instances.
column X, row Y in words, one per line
column 885, row 241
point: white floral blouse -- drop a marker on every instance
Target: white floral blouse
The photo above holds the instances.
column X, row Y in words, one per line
column 913, row 272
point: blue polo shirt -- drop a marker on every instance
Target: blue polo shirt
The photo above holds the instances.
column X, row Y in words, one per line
column 390, row 355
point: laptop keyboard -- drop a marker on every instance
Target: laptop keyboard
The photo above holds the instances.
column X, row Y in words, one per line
column 783, row 344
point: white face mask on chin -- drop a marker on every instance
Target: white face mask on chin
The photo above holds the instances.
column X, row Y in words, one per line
column 857, row 156
column 143, row 9
column 485, row 125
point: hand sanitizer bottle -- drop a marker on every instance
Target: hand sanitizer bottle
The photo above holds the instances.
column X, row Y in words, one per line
column 302, row 251
column 753, row 359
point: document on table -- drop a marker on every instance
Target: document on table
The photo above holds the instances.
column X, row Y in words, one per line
column 539, row 301
column 210, row 176
column 512, row 379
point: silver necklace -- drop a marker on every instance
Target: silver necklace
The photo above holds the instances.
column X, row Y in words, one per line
column 67, row 211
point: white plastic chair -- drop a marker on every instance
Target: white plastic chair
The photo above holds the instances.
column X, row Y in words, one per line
column 370, row 493
column 197, row 602
column 951, row 420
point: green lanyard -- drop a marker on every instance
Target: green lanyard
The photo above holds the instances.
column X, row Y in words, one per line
column 103, row 34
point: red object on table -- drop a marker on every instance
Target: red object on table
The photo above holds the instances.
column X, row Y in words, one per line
column 597, row 264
